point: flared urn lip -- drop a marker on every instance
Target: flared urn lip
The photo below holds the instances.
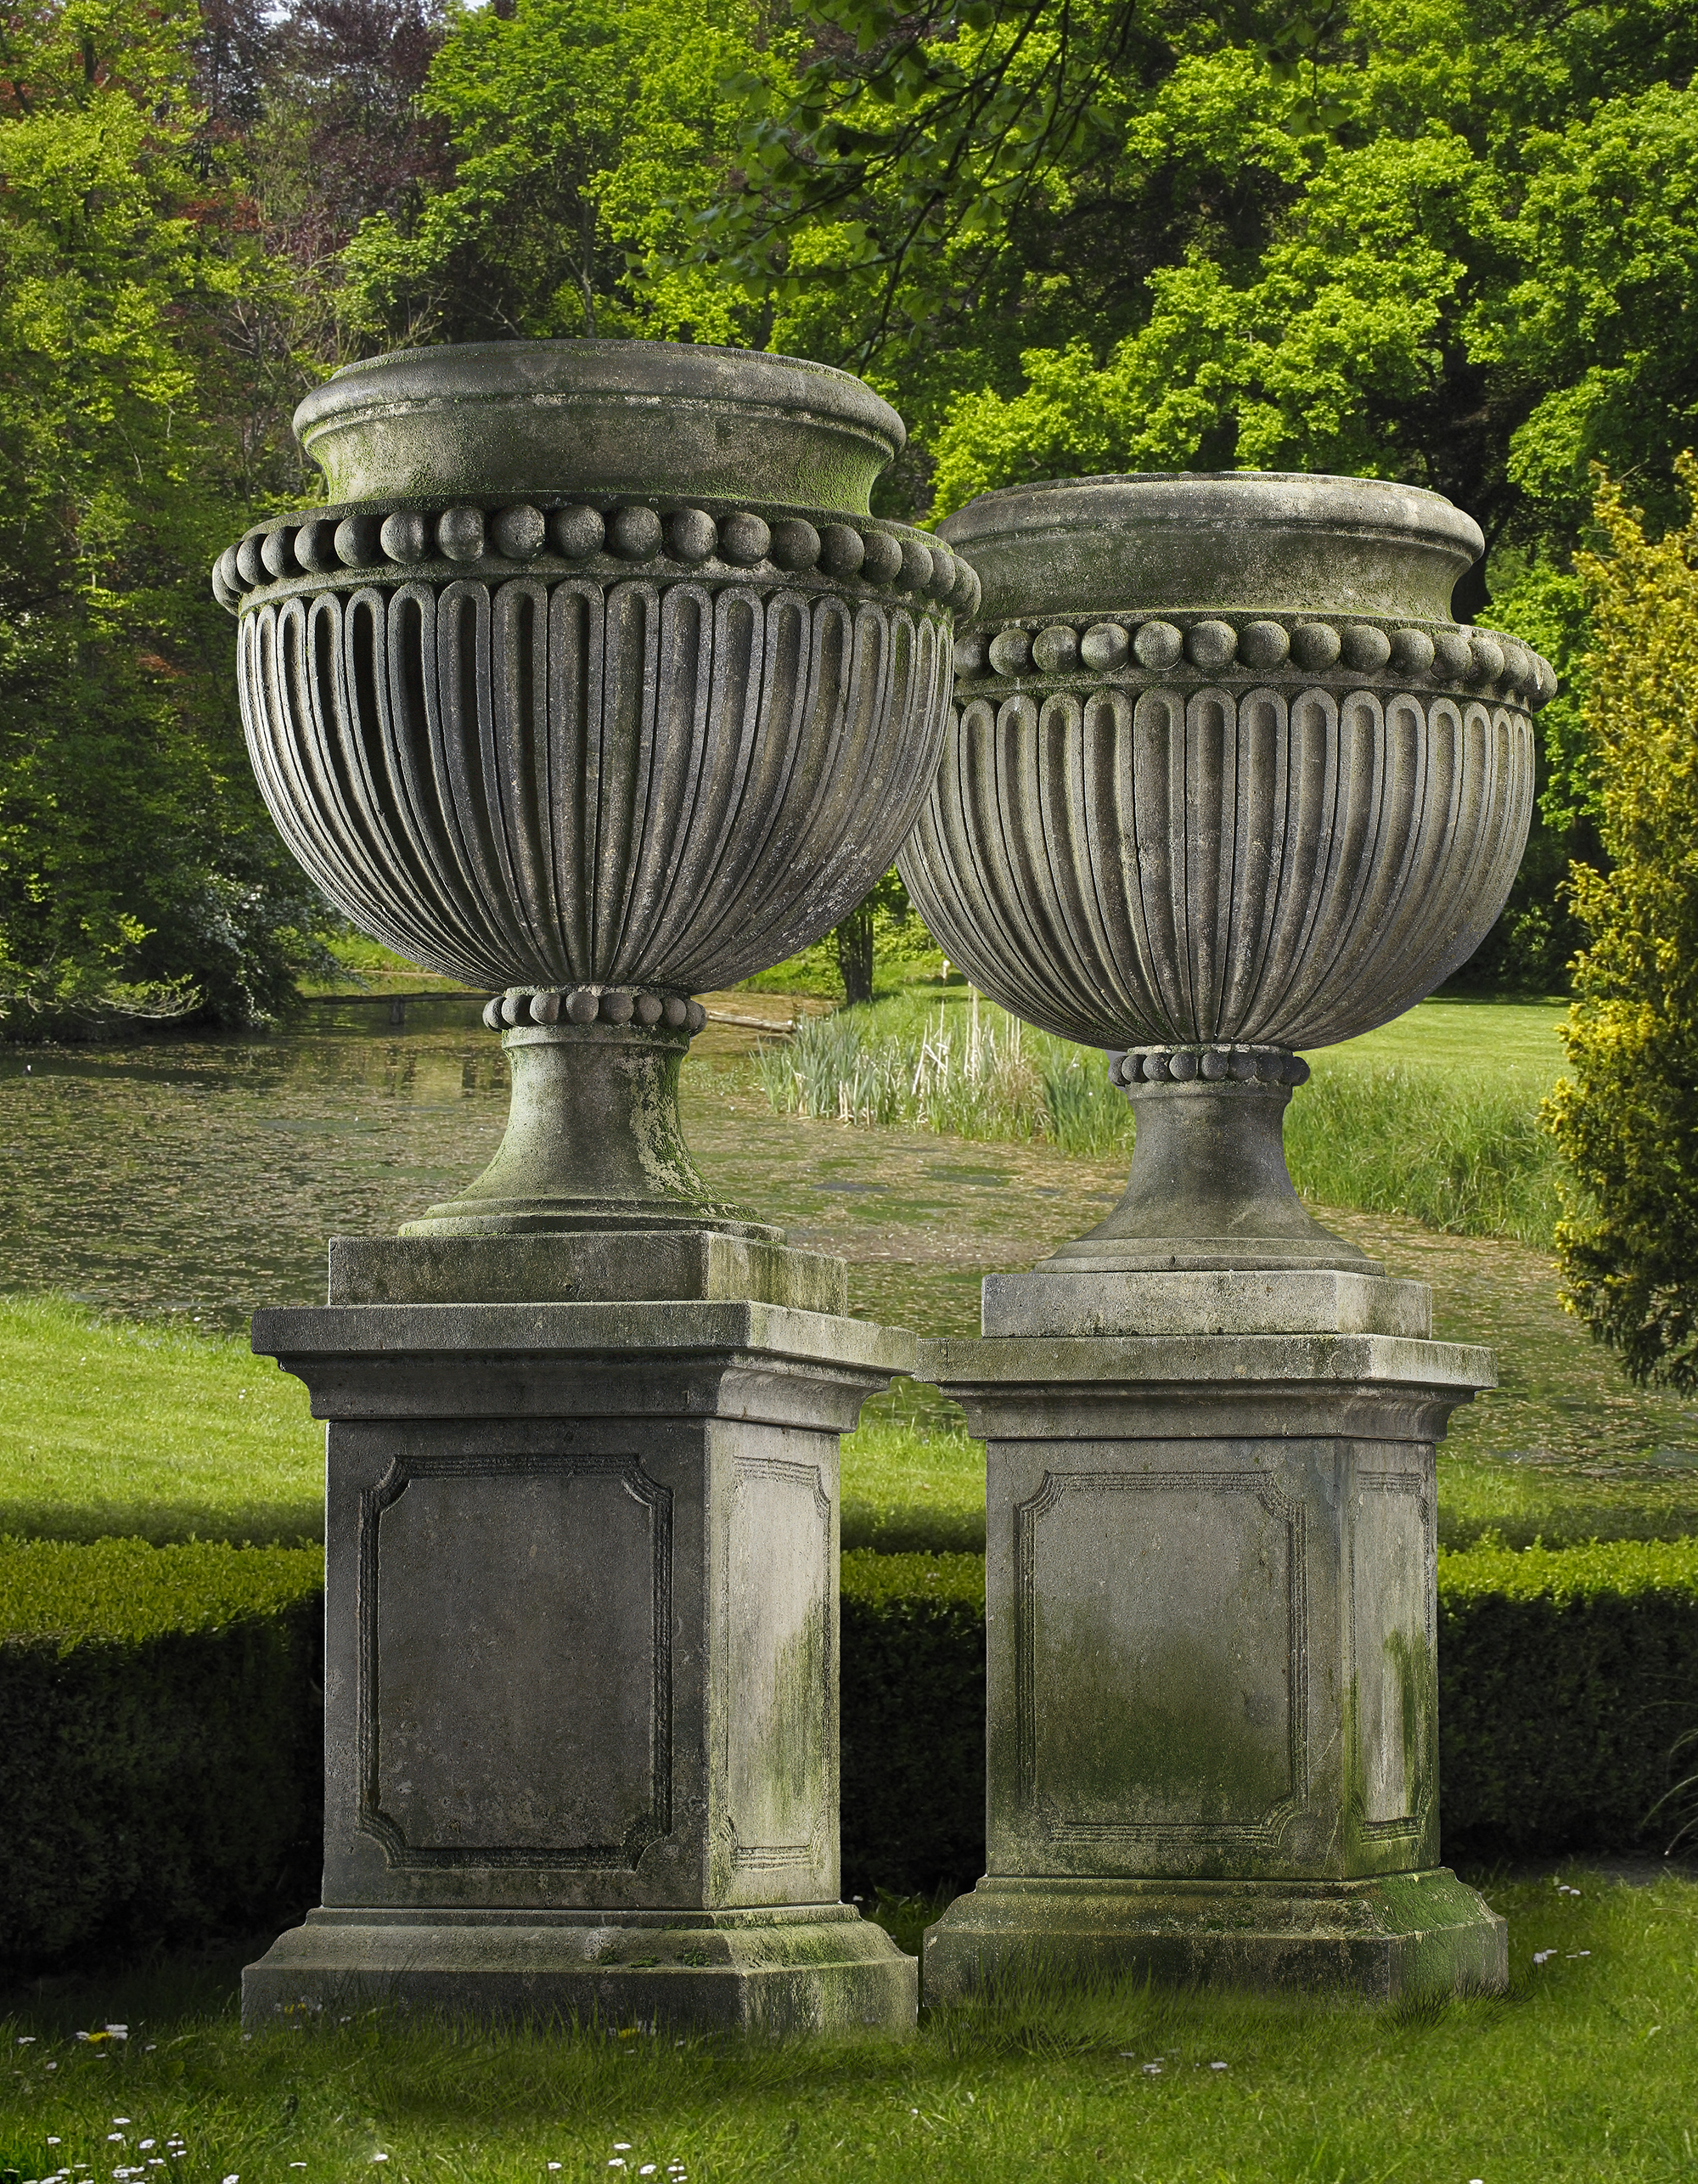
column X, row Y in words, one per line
column 1183, row 541
column 523, row 418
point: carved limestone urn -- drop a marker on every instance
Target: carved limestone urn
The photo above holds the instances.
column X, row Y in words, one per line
column 1224, row 781
column 593, row 683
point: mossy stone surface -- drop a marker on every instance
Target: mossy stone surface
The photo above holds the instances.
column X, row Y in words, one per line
column 1212, row 1642
column 580, row 1661
column 1400, row 1934
column 820, row 1968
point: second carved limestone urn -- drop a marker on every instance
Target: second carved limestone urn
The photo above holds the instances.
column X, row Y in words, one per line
column 595, row 684
column 1224, row 782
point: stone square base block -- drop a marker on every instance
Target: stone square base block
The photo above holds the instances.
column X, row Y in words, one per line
column 1400, row 1934
column 582, row 1660
column 1211, row 1616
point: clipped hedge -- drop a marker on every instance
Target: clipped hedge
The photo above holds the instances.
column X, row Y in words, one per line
column 913, row 1721
column 160, row 1725
column 1567, row 1679
column 161, row 1731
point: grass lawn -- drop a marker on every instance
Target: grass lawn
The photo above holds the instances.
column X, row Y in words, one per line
column 1583, row 2071
column 1501, row 1037
column 160, row 1433
column 152, row 1431
column 1436, row 1115
column 165, row 1430
column 169, row 1430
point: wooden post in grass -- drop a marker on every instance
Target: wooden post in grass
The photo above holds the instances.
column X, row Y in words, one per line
column 597, row 684
column 1226, row 781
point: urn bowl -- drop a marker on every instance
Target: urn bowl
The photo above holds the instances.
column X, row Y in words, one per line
column 1223, row 780
column 595, row 685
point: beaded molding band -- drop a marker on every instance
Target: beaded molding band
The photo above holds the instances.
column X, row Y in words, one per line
column 1212, row 1064
column 400, row 545
column 589, row 1004
column 1258, row 644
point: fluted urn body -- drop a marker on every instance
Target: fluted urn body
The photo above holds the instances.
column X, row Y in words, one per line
column 595, row 682
column 1223, row 780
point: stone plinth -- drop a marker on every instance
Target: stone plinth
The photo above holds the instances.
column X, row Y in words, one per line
column 581, row 1687
column 1211, row 1626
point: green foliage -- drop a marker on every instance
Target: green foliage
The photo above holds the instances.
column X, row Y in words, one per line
column 1433, row 242
column 886, row 927
column 138, row 873
column 1626, row 1114
column 1436, row 242
column 585, row 134
column 912, row 1477
column 1459, row 1149
column 855, row 938
column 1304, row 367
column 127, row 1592
column 913, row 1722
column 975, row 1071
column 1566, row 1682
column 160, row 1715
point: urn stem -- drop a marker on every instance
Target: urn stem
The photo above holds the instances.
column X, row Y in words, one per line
column 1209, row 1190
column 592, row 1141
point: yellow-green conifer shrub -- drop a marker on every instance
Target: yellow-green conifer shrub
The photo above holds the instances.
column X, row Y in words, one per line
column 1626, row 1112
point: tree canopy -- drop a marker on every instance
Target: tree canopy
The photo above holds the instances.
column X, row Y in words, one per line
column 137, row 871
column 1445, row 240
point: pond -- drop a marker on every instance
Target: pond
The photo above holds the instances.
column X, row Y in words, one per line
column 202, row 1176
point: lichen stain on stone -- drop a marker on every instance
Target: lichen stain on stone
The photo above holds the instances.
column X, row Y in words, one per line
column 790, row 1725
column 1412, row 1673
column 1170, row 1735
column 652, row 1079
column 1412, row 1670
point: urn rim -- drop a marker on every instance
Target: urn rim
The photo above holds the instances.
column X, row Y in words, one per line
column 1185, row 540
column 573, row 415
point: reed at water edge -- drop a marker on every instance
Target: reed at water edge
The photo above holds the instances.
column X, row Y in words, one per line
column 1461, row 1151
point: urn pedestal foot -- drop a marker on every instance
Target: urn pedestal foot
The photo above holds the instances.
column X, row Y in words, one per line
column 782, row 1968
column 1210, row 1626
column 592, row 1142
column 1396, row 1934
column 581, row 1640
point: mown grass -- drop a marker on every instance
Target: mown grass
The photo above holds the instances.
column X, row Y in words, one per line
column 159, row 1432
column 1580, row 2072
column 1565, row 1505
column 914, row 1478
column 113, row 1429
column 1439, row 1122
column 153, row 1431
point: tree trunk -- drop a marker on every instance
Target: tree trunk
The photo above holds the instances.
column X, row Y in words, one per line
column 854, row 937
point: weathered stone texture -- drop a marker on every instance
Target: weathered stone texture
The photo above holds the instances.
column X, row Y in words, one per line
column 1209, row 1630
column 581, row 1637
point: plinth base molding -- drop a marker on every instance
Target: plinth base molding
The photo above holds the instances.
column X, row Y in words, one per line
column 1399, row 1934
column 811, row 1968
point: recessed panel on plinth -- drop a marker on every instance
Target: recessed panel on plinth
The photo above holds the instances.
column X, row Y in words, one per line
column 1211, row 1724
column 781, row 1739
column 1394, row 1642
column 1159, row 1648
column 514, row 1660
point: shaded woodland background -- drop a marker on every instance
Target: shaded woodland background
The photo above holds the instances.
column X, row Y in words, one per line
column 1446, row 240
